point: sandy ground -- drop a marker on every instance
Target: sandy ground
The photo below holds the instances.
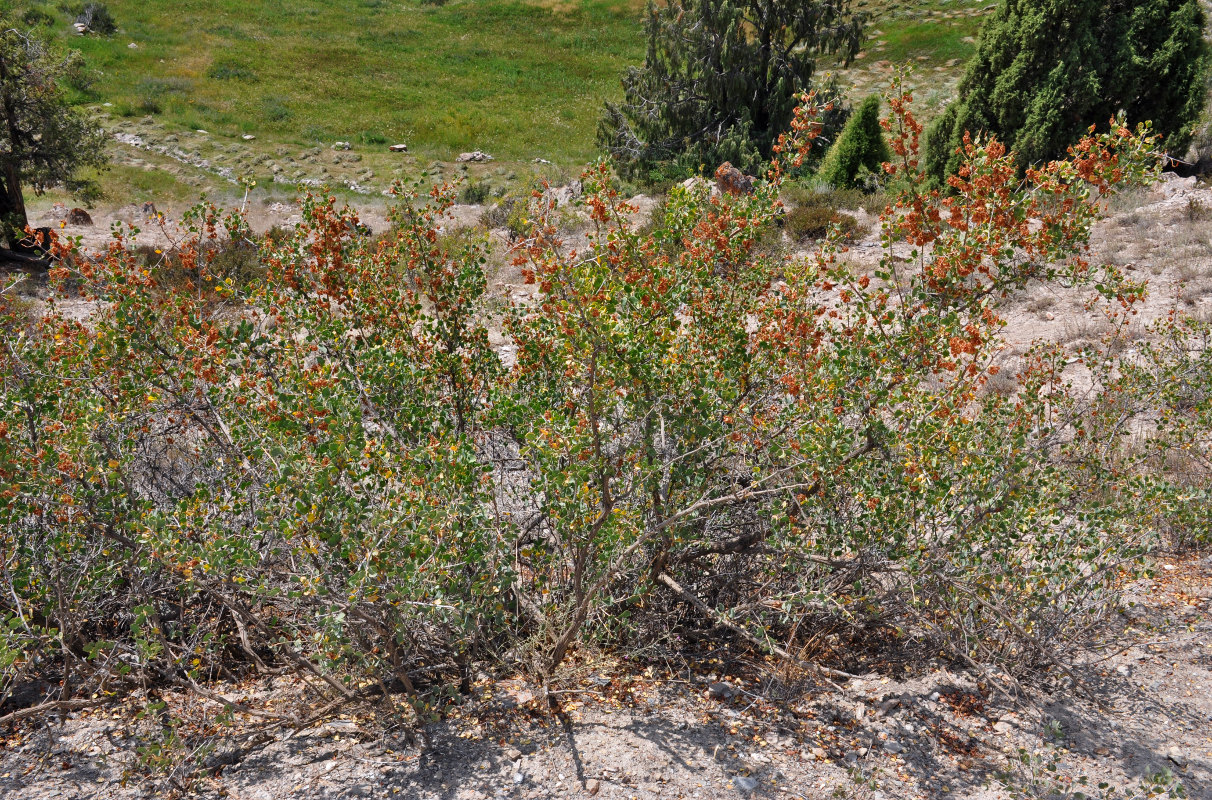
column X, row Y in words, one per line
column 1142, row 707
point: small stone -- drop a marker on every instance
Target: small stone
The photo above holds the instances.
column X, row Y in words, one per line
column 745, row 784
column 721, row 691
column 1002, row 726
column 513, row 754
column 248, row 137
column 893, row 747
column 819, row 753
column 398, row 148
column 518, row 778
column 1124, row 670
column 934, row 696
column 132, row 46
column 1177, row 756
column 593, row 786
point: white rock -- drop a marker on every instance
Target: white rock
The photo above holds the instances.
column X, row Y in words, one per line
column 745, row 784
column 398, row 148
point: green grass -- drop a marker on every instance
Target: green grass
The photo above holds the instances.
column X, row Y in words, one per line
column 933, row 32
column 517, row 79
column 934, row 41
column 520, row 79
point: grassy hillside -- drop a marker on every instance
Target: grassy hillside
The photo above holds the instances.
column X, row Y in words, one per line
column 935, row 37
column 518, row 79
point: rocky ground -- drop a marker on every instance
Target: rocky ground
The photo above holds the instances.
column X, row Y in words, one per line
column 1141, row 711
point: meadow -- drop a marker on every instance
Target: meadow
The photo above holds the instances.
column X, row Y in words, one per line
column 521, row 80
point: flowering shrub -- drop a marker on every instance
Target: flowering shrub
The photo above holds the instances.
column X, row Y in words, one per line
column 330, row 471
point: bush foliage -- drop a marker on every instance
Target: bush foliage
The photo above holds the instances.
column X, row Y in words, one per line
column 328, row 470
column 1046, row 71
column 860, row 147
column 719, row 82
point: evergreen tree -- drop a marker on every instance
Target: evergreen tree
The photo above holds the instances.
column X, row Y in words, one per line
column 43, row 140
column 720, row 79
column 1046, row 70
column 861, row 145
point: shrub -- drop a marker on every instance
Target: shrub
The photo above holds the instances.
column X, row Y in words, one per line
column 226, row 70
column 511, row 213
column 153, row 92
column 37, row 17
column 475, row 193
column 342, row 480
column 275, row 108
column 814, row 222
column 96, row 18
column 860, row 147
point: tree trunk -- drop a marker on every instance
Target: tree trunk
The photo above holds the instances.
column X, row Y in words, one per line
column 13, row 218
column 12, row 204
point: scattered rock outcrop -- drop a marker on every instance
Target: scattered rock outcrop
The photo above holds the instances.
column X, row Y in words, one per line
column 732, row 181
column 78, row 216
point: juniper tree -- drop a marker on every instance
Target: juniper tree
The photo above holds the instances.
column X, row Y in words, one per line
column 720, row 79
column 44, row 142
column 861, row 145
column 1044, row 72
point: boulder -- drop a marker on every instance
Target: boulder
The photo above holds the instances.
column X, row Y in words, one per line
column 698, row 183
column 342, row 146
column 78, row 216
column 474, row 155
column 398, row 148
column 732, row 181
column 562, row 195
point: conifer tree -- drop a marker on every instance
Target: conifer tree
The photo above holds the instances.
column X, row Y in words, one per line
column 861, row 145
column 1046, row 70
column 44, row 141
column 720, row 79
